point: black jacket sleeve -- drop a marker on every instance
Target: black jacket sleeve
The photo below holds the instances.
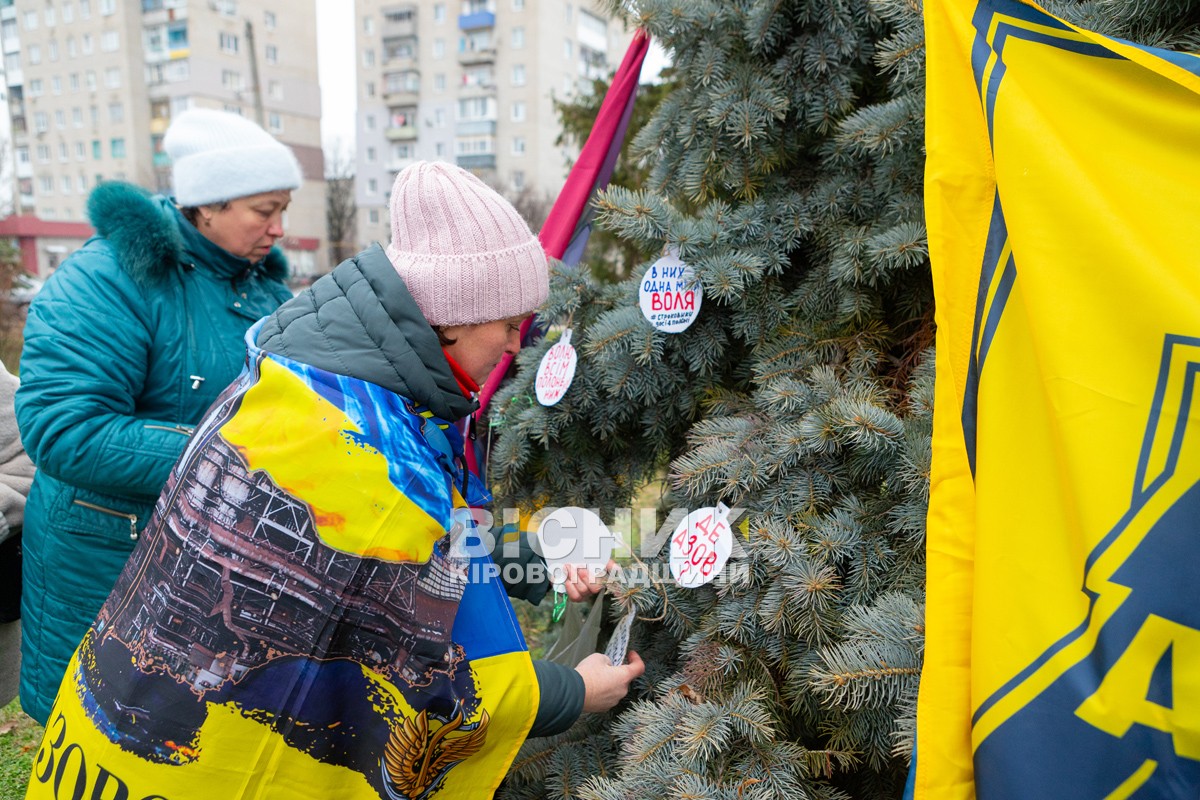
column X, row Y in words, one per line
column 561, row 703
column 513, row 547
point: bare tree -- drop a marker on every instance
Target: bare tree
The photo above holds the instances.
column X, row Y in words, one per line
column 341, row 212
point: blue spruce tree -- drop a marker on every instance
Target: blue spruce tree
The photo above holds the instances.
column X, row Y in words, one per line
column 785, row 167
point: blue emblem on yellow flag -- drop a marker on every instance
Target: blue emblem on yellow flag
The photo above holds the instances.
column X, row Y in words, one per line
column 1063, row 644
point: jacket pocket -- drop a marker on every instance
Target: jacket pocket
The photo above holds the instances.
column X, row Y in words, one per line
column 113, row 515
column 182, row 430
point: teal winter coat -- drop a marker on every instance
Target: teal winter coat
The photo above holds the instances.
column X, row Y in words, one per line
column 126, row 346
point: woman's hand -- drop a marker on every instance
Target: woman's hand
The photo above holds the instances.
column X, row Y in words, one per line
column 604, row 684
column 581, row 583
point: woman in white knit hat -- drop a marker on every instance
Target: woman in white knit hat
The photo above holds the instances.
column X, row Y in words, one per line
column 128, row 343
column 313, row 612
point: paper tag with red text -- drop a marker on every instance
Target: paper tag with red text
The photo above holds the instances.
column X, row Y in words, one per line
column 700, row 546
column 556, row 371
column 670, row 295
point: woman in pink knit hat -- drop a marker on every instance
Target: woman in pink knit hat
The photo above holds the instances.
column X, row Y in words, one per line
column 309, row 614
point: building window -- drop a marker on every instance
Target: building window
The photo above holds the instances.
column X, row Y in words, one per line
column 49, row 16
column 52, row 50
column 231, row 79
column 43, row 151
column 56, row 85
column 89, row 80
column 372, row 185
column 108, row 7
column 74, row 81
column 518, row 5
column 518, row 111
column 117, row 146
column 228, row 42
column 60, row 119
column 63, row 155
column 439, row 13
column 31, row 20
column 368, row 26
column 72, row 50
column 440, row 149
column 568, row 49
column 568, row 11
column 439, row 48
column 439, row 117
column 439, row 82
column 275, row 122
column 77, row 117
column 68, row 12
column 97, row 151
column 518, row 146
column 85, row 9
column 35, row 54
column 85, row 44
column 83, row 183
column 35, row 87
column 275, row 90
column 23, row 156
column 112, row 77
column 518, row 38
column 370, row 120
column 177, row 36
column 80, row 151
column 368, row 58
column 67, row 184
column 518, row 179
column 95, row 113
column 47, row 183
column 269, row 20
column 272, row 54
column 370, row 88
column 373, row 215
column 110, row 41
column 116, row 113
column 371, row 155
column 518, row 75
column 41, row 123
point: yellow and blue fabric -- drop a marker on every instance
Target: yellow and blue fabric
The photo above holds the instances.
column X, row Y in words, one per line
column 1063, row 617
column 254, row 647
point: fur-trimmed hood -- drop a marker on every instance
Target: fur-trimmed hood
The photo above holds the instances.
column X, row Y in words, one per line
column 145, row 231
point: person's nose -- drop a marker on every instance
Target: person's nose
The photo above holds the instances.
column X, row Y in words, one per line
column 275, row 228
column 513, row 345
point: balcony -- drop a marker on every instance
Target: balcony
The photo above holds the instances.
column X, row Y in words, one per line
column 477, row 162
column 473, row 22
column 479, row 127
column 398, row 22
column 401, row 96
column 402, row 133
column 483, row 55
column 400, row 164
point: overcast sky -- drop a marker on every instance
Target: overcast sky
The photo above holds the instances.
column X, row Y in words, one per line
column 336, row 54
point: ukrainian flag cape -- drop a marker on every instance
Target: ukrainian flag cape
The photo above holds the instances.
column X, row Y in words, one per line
column 300, row 618
column 1063, row 640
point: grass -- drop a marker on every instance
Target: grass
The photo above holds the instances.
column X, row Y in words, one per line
column 19, row 739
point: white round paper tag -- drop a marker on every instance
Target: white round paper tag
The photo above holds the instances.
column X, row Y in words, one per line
column 700, row 546
column 670, row 295
column 574, row 536
column 556, row 371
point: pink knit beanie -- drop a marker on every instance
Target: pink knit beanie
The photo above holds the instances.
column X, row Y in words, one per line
column 463, row 251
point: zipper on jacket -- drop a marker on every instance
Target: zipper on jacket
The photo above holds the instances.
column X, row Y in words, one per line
column 133, row 534
column 186, row 430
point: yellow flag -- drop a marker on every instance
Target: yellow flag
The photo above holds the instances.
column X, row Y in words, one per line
column 1063, row 204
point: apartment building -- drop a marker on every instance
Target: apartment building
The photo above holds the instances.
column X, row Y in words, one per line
column 93, row 85
column 472, row 83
